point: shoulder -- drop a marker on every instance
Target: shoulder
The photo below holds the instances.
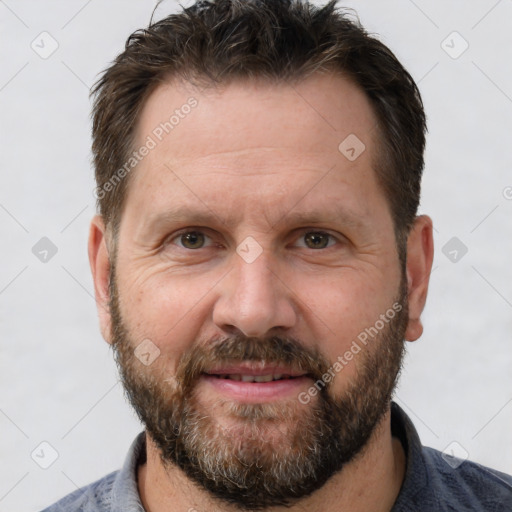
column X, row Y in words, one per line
column 95, row 497
column 466, row 485
column 117, row 489
column 436, row 482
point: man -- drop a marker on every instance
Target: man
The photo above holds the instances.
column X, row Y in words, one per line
column 258, row 263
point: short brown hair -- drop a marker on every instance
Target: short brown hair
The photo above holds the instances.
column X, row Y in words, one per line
column 215, row 41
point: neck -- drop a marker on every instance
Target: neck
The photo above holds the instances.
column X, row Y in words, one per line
column 370, row 482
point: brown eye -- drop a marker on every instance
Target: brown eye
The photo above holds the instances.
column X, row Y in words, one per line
column 317, row 240
column 192, row 240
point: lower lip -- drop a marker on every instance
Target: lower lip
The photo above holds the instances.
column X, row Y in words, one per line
column 256, row 392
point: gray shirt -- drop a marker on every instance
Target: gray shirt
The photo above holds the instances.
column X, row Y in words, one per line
column 434, row 482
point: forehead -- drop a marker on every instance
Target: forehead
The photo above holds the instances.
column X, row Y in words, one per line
column 270, row 146
column 244, row 113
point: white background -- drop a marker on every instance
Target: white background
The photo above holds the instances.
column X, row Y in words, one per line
column 58, row 379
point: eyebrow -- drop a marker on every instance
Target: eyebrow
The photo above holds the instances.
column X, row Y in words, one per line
column 185, row 213
column 321, row 216
column 182, row 213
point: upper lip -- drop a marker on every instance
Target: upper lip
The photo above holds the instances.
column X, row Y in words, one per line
column 256, row 370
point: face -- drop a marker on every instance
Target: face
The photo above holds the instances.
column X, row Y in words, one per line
column 257, row 265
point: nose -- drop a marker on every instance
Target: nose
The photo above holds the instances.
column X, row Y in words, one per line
column 254, row 299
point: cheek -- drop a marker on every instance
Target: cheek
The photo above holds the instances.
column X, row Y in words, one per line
column 338, row 313
column 347, row 304
column 168, row 311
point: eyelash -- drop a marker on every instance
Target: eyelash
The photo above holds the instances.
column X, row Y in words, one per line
column 304, row 232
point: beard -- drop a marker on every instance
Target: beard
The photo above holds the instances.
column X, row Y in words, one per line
column 257, row 456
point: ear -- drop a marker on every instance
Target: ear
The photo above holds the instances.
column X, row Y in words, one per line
column 99, row 261
column 420, row 254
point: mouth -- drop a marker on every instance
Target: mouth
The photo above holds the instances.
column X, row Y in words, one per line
column 256, row 383
column 254, row 378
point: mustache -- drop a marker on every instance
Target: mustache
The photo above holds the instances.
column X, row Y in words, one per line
column 273, row 350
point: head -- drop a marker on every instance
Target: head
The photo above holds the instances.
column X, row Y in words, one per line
column 258, row 168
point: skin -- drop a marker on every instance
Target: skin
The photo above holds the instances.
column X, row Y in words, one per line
column 251, row 156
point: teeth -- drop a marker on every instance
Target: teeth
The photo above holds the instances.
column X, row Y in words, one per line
column 254, row 378
column 262, row 378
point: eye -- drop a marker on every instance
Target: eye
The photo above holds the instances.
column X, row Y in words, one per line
column 318, row 240
column 191, row 239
